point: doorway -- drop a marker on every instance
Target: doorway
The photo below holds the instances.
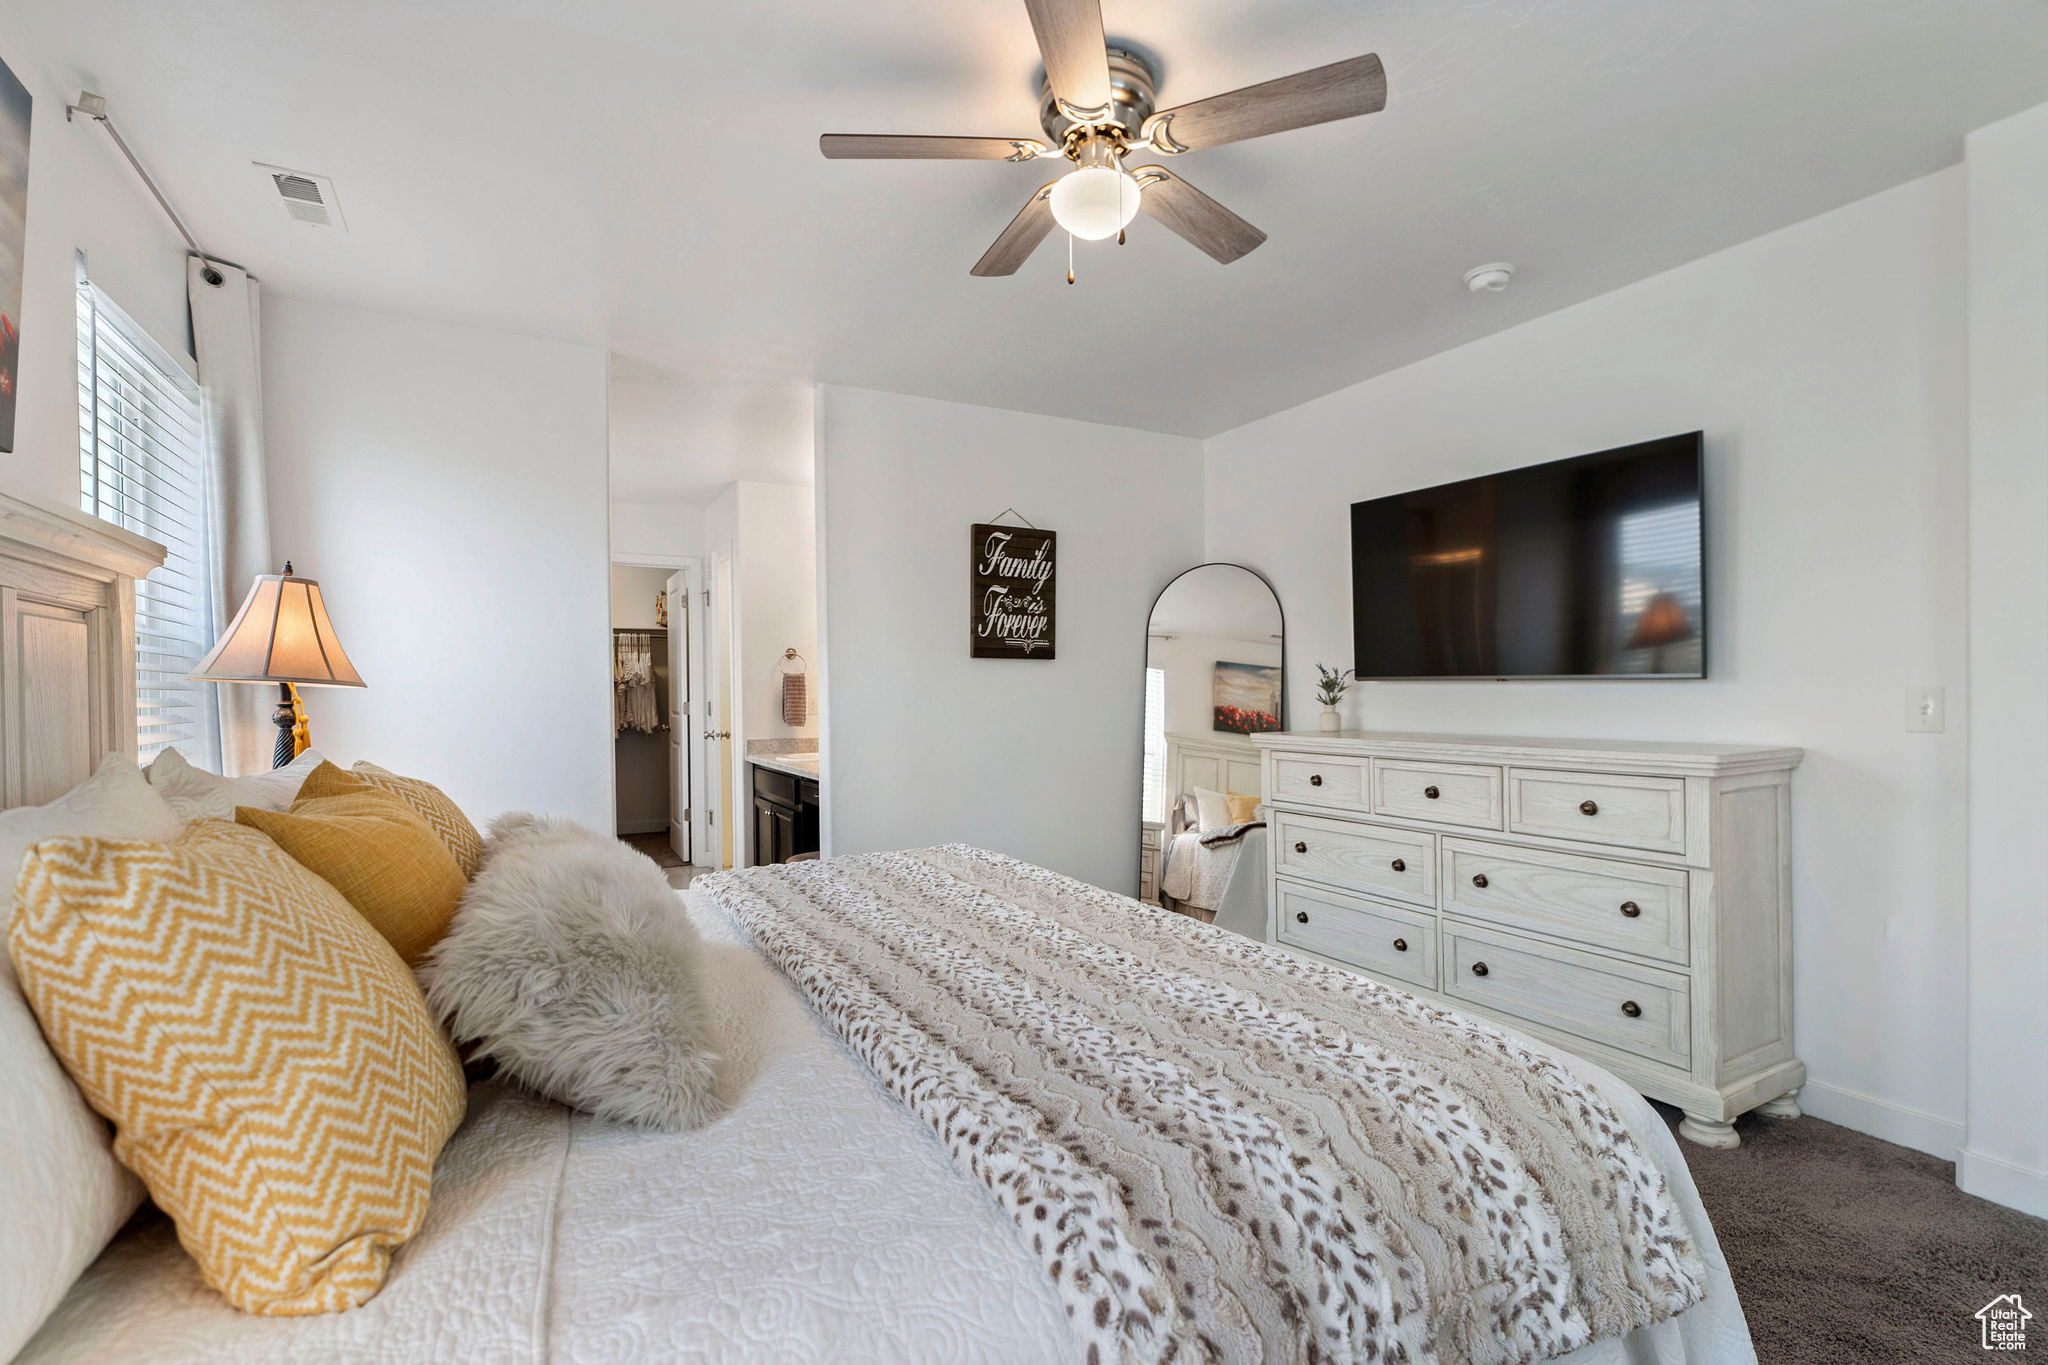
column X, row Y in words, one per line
column 653, row 682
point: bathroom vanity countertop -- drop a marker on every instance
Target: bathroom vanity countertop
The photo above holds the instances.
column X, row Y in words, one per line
column 796, row 765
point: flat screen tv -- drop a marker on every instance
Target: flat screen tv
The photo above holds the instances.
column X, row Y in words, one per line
column 1589, row 567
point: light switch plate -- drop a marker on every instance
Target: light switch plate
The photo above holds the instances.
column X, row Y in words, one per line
column 1926, row 710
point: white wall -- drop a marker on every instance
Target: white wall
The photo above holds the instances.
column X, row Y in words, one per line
column 777, row 581
column 633, row 592
column 1825, row 363
column 447, row 486
column 656, row 532
column 80, row 196
column 2006, row 1153
column 923, row 744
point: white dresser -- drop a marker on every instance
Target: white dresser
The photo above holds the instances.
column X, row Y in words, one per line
column 1629, row 902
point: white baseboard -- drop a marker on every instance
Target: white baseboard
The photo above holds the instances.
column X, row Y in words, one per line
column 1883, row 1119
column 2001, row 1182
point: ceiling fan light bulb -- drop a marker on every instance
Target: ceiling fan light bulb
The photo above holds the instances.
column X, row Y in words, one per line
column 1095, row 202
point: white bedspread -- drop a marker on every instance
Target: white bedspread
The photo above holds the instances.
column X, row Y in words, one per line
column 817, row 1221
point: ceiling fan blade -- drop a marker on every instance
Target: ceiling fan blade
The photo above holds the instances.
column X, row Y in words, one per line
column 891, row 147
column 1076, row 54
column 1328, row 93
column 1194, row 215
column 1020, row 238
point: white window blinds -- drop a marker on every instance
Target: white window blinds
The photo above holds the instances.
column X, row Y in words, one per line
column 1155, row 744
column 142, row 467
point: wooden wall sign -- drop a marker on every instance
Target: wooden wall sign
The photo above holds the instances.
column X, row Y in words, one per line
column 1012, row 586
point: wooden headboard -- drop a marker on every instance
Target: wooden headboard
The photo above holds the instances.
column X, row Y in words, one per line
column 67, row 643
column 1219, row 762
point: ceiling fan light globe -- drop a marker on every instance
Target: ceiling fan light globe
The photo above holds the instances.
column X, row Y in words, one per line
column 1095, row 202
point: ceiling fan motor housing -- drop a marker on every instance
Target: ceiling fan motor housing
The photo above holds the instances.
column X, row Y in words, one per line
column 1130, row 99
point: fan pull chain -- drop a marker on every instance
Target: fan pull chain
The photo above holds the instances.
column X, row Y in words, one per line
column 1119, row 201
column 1070, row 258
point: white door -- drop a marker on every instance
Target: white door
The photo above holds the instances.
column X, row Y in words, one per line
column 678, row 716
column 727, row 831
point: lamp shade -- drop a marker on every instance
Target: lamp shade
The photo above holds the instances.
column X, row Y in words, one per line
column 281, row 635
column 1663, row 622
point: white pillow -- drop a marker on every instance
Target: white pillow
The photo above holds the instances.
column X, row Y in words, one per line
column 1212, row 809
column 62, row 1194
column 194, row 793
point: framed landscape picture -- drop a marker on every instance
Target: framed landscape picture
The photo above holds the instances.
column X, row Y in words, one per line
column 1247, row 698
column 14, row 110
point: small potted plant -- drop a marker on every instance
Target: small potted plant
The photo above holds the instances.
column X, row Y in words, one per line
column 1330, row 690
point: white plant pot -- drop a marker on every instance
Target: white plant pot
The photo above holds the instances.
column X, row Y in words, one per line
column 1330, row 720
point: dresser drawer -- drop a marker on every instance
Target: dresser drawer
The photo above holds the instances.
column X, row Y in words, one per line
column 1447, row 793
column 1582, row 994
column 1384, row 941
column 1600, row 808
column 1604, row 905
column 1394, row 862
column 1319, row 781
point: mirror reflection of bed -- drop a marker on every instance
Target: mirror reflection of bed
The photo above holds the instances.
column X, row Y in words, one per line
column 1214, row 676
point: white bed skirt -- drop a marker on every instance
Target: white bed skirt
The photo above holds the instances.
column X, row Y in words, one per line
column 818, row 1220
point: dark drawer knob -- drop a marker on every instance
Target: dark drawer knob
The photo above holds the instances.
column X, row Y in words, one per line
column 1400, row 945
column 1315, row 779
column 1431, row 793
column 1479, row 969
column 1301, row 917
column 1631, row 1009
column 1301, row 848
column 1479, row 880
column 1631, row 909
column 1589, row 807
column 1400, row 865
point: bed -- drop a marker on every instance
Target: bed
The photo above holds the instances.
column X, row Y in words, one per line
column 1224, row 883
column 819, row 1220
column 842, row 1210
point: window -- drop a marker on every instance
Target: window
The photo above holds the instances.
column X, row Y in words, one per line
column 141, row 467
column 1659, row 556
column 1155, row 745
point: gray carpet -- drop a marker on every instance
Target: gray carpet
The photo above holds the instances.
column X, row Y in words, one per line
column 1846, row 1248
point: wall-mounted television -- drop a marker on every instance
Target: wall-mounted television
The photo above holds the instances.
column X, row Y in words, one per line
column 1589, row 567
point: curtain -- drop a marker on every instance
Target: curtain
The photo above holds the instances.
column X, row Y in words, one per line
column 226, row 341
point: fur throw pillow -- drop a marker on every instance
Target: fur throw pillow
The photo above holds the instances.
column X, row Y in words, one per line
column 573, row 965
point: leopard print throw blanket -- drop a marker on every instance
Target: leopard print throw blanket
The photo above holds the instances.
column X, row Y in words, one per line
column 1217, row 1151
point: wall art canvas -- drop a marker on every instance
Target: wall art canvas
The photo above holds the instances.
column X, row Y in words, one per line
column 14, row 110
column 1247, row 698
column 1011, row 581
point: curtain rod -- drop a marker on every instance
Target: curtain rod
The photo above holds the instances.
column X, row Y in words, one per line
column 94, row 107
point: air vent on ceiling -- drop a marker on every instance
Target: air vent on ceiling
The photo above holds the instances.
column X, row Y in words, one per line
column 304, row 197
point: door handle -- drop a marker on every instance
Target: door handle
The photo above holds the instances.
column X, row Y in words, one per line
column 718, row 734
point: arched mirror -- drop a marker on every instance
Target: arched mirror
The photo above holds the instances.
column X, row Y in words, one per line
column 1215, row 653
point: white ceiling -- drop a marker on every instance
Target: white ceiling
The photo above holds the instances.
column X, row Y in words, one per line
column 644, row 175
column 682, row 439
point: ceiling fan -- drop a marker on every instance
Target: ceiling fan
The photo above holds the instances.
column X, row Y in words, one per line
column 1097, row 110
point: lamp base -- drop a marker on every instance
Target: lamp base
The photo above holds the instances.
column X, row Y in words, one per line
column 283, row 717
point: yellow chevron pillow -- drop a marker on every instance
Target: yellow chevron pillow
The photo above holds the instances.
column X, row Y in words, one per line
column 443, row 816
column 374, row 850
column 269, row 1066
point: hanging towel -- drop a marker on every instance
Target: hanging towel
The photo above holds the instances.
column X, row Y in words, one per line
column 796, row 699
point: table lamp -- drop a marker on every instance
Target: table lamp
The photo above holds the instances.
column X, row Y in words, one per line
column 281, row 635
column 1662, row 623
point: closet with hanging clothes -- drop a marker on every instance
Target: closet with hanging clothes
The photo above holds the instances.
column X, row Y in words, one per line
column 640, row 664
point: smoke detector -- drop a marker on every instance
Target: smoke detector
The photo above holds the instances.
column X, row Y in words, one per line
column 1489, row 279
column 304, row 197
